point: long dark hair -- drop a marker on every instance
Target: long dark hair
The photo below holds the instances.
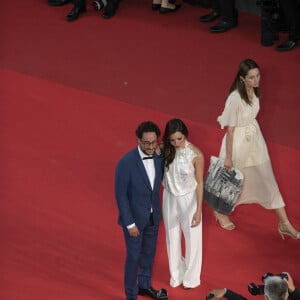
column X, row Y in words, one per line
column 243, row 69
column 174, row 125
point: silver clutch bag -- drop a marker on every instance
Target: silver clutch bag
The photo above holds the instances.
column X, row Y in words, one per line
column 222, row 188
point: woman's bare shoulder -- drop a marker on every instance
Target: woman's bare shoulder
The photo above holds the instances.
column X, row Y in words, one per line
column 196, row 150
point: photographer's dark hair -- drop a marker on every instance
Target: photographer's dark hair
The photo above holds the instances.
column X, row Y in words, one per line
column 174, row 125
column 147, row 126
column 243, row 69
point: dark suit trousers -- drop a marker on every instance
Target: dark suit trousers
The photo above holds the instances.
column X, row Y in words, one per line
column 226, row 8
column 140, row 252
column 291, row 11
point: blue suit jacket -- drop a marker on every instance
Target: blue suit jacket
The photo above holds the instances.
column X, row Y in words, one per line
column 133, row 191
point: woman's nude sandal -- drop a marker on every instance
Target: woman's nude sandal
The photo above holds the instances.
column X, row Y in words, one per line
column 224, row 221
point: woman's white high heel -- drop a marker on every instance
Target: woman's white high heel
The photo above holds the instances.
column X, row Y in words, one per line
column 224, row 221
column 285, row 228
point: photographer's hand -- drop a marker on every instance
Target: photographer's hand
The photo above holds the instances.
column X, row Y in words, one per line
column 217, row 294
column 290, row 282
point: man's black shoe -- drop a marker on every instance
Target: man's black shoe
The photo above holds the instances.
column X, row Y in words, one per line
column 221, row 27
column 192, row 2
column 58, row 2
column 108, row 13
column 75, row 12
column 209, row 17
column 165, row 10
column 161, row 294
column 110, row 9
column 287, row 45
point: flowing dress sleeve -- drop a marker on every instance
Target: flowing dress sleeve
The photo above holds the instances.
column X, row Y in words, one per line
column 229, row 116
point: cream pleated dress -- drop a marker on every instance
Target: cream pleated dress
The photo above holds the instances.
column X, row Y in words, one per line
column 250, row 153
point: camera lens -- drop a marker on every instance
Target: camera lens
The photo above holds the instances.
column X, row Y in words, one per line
column 99, row 4
column 266, row 276
column 210, row 296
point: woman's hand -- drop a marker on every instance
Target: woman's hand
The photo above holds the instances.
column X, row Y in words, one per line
column 196, row 219
column 228, row 164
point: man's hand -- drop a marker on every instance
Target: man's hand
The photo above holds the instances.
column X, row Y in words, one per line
column 290, row 282
column 217, row 294
column 134, row 231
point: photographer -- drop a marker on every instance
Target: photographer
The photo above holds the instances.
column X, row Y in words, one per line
column 294, row 294
column 276, row 287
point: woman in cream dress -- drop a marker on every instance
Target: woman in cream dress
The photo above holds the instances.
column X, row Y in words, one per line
column 244, row 148
column 182, row 204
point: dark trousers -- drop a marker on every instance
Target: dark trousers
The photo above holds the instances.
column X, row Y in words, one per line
column 291, row 11
column 140, row 252
column 227, row 10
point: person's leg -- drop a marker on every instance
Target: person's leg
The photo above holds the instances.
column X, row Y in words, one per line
column 228, row 11
column 168, row 6
column 173, row 239
column 133, row 250
column 269, row 22
column 193, row 242
column 214, row 14
column 291, row 11
column 224, row 221
column 284, row 225
column 229, row 16
column 148, row 249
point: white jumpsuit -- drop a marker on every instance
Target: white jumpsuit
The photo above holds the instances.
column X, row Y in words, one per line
column 179, row 206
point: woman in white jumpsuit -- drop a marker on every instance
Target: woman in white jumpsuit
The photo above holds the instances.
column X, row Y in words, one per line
column 182, row 204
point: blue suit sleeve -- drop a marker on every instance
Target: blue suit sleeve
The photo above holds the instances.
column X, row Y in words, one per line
column 122, row 181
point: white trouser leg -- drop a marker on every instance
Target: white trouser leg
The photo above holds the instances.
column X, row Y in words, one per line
column 193, row 241
column 173, row 238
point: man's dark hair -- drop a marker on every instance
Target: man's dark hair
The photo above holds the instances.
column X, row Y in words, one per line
column 147, row 126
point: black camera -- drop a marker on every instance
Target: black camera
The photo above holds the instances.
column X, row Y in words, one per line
column 210, row 296
column 259, row 289
column 99, row 4
column 255, row 289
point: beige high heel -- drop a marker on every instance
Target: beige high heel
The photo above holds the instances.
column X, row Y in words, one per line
column 224, row 221
column 289, row 230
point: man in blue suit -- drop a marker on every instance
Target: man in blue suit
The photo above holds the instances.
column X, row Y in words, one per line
column 137, row 183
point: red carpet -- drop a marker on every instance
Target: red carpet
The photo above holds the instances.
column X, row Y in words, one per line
column 65, row 122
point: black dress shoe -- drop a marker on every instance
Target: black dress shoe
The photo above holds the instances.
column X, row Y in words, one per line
column 108, row 13
column 209, row 17
column 287, row 45
column 165, row 10
column 110, row 9
column 58, row 2
column 75, row 12
column 161, row 294
column 222, row 27
column 155, row 6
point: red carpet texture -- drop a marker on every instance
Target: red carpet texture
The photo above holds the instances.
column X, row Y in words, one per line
column 71, row 97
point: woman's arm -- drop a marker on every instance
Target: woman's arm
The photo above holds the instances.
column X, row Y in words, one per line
column 229, row 142
column 199, row 169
